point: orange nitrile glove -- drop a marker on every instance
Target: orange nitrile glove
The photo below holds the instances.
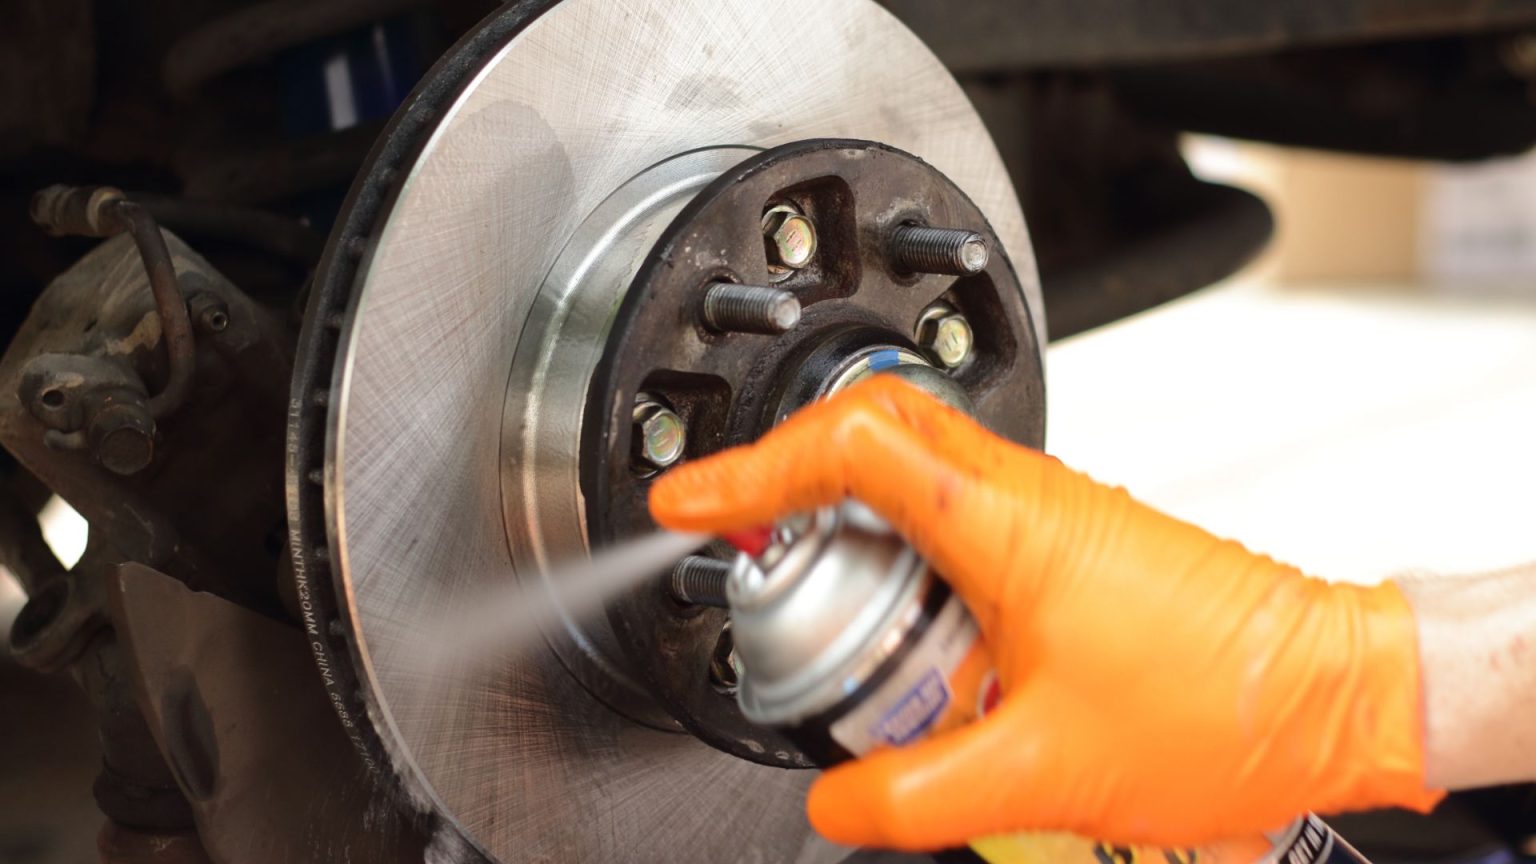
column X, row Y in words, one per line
column 1161, row 686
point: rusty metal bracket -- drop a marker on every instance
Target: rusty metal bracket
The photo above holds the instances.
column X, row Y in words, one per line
column 234, row 704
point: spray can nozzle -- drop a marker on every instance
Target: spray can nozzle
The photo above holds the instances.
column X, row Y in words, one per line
column 753, row 541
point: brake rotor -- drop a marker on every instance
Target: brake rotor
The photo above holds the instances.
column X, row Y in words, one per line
column 545, row 128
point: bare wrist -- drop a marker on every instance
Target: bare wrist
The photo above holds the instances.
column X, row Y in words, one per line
column 1477, row 653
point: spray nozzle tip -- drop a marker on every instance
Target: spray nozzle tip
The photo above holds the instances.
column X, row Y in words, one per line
column 753, row 541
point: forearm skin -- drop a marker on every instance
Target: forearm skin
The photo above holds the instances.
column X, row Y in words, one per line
column 1477, row 648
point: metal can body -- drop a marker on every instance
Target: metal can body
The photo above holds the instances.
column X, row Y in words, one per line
column 848, row 642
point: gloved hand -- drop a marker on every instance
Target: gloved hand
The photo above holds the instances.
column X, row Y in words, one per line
column 1160, row 685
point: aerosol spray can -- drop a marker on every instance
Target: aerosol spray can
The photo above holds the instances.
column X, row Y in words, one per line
column 848, row 642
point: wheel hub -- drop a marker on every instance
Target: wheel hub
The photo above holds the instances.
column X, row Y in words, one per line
column 863, row 305
column 547, row 393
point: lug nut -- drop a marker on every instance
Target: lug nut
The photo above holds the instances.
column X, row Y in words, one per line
column 789, row 238
column 945, row 335
column 659, row 435
column 732, row 308
column 699, row 580
column 950, row 251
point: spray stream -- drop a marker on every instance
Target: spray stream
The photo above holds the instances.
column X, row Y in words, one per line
column 511, row 617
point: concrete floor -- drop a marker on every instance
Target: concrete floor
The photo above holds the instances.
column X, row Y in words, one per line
column 1355, row 432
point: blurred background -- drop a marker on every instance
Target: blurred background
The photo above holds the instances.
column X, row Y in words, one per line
column 1360, row 400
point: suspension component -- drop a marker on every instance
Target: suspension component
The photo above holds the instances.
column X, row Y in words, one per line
column 105, row 212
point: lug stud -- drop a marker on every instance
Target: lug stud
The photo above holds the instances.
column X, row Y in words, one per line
column 699, row 580
column 949, row 251
column 732, row 308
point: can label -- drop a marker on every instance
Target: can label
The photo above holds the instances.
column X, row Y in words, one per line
column 919, row 695
column 1309, row 840
column 945, row 679
column 1306, row 841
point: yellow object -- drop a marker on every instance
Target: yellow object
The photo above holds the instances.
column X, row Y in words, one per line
column 1160, row 686
column 1057, row 848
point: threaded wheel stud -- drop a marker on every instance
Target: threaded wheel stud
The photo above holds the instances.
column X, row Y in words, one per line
column 699, row 580
column 732, row 308
column 950, row 251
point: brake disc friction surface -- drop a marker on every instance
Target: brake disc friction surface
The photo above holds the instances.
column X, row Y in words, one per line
column 579, row 100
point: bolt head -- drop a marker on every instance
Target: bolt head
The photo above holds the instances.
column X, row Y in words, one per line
column 946, row 336
column 660, row 436
column 789, row 238
column 724, row 665
column 122, row 436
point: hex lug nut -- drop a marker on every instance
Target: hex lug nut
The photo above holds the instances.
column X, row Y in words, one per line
column 699, row 580
column 945, row 335
column 732, row 308
column 947, row 251
column 789, row 238
column 659, row 436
